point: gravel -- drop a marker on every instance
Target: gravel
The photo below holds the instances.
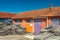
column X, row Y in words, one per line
column 14, row 37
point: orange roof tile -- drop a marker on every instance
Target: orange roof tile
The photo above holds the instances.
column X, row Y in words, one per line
column 6, row 15
column 38, row 13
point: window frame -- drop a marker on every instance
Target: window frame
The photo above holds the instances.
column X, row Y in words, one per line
column 29, row 20
column 18, row 20
column 56, row 21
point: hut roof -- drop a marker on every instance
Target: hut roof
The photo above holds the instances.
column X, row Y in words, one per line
column 6, row 15
column 54, row 11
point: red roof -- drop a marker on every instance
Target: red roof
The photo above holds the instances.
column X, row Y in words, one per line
column 38, row 13
column 6, row 15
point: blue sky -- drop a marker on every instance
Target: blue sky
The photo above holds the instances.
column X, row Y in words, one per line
column 16, row 6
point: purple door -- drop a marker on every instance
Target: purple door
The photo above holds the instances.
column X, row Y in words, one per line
column 37, row 26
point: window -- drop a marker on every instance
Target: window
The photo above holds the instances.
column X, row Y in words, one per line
column 37, row 20
column 59, row 21
column 2, row 19
column 56, row 21
column 8, row 20
column 29, row 20
column 18, row 20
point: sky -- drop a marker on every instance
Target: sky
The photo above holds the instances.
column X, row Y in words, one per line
column 17, row 6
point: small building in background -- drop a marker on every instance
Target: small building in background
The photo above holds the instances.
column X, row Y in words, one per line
column 37, row 20
column 6, row 17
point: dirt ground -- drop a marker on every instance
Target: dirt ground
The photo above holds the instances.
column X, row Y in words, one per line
column 14, row 37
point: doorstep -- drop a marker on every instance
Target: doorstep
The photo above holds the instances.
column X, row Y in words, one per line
column 31, row 36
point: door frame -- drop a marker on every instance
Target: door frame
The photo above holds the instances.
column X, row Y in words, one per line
column 38, row 21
